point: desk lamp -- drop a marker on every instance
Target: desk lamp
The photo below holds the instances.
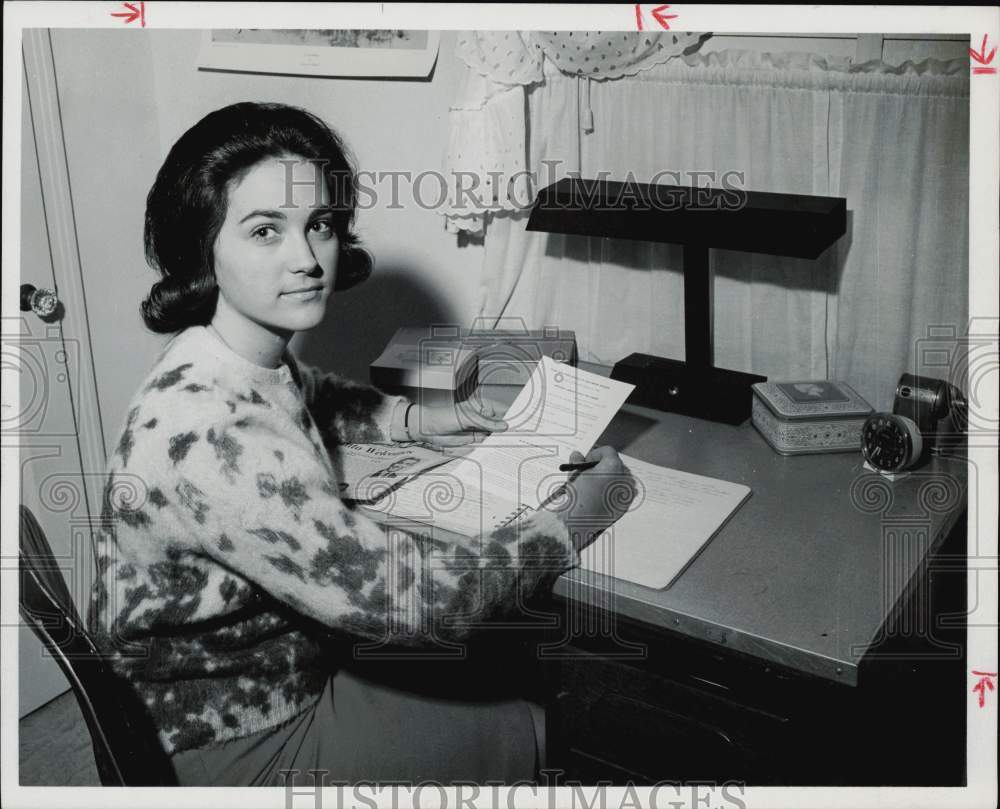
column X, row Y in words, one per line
column 797, row 225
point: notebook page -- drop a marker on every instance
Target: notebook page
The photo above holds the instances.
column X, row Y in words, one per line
column 672, row 517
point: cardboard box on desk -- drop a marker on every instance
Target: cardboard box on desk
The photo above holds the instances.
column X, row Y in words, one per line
column 507, row 359
column 435, row 365
column 429, row 365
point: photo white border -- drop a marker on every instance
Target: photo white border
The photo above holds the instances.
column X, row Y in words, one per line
column 984, row 259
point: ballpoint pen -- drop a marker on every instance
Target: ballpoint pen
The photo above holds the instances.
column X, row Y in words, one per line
column 577, row 467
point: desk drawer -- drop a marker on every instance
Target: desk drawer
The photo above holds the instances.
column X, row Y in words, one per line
column 655, row 728
column 650, row 742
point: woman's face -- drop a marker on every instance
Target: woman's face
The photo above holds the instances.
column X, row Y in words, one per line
column 276, row 252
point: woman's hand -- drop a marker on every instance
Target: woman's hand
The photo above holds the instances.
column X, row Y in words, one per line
column 452, row 425
column 594, row 498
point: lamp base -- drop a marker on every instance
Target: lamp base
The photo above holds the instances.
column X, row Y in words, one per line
column 713, row 394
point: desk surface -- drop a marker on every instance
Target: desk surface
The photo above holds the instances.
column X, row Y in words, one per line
column 809, row 569
column 812, row 566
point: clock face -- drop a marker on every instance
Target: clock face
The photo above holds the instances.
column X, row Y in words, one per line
column 885, row 444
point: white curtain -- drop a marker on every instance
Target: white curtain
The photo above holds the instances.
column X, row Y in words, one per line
column 893, row 141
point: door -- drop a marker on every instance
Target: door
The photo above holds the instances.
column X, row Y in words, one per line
column 54, row 427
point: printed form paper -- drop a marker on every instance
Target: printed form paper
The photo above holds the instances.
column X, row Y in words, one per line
column 559, row 410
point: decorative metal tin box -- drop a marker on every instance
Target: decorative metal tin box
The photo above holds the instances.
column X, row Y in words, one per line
column 812, row 416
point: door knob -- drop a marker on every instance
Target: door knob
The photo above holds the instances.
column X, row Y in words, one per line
column 42, row 302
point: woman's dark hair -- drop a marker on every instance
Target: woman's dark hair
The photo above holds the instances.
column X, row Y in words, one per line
column 187, row 204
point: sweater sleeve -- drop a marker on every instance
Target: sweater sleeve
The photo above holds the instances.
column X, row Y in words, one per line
column 263, row 503
column 346, row 411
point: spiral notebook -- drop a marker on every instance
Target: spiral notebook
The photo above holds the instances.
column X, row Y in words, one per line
column 672, row 519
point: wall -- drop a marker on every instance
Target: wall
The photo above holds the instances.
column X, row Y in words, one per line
column 127, row 95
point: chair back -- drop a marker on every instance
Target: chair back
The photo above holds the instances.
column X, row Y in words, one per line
column 126, row 748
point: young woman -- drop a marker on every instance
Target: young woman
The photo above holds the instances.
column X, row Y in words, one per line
column 228, row 560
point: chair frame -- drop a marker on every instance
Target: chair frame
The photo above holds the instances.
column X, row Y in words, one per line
column 126, row 749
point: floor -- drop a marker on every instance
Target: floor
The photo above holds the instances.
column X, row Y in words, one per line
column 55, row 748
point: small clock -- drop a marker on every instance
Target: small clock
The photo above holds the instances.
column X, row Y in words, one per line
column 891, row 443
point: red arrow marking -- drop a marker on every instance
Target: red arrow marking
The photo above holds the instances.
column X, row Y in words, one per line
column 133, row 14
column 983, row 58
column 662, row 18
column 638, row 16
column 985, row 677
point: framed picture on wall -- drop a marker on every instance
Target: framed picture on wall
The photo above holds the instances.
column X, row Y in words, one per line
column 348, row 53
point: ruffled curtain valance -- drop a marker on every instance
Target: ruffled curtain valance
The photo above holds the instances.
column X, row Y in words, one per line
column 807, row 71
column 486, row 163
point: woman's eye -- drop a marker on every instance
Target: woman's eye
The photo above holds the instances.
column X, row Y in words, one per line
column 264, row 232
column 324, row 227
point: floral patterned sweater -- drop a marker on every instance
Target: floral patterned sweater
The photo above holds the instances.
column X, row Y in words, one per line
column 222, row 527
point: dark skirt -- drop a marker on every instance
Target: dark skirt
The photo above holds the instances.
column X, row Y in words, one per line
column 366, row 730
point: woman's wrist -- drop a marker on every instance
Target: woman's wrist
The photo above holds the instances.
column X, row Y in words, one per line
column 409, row 422
column 403, row 420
